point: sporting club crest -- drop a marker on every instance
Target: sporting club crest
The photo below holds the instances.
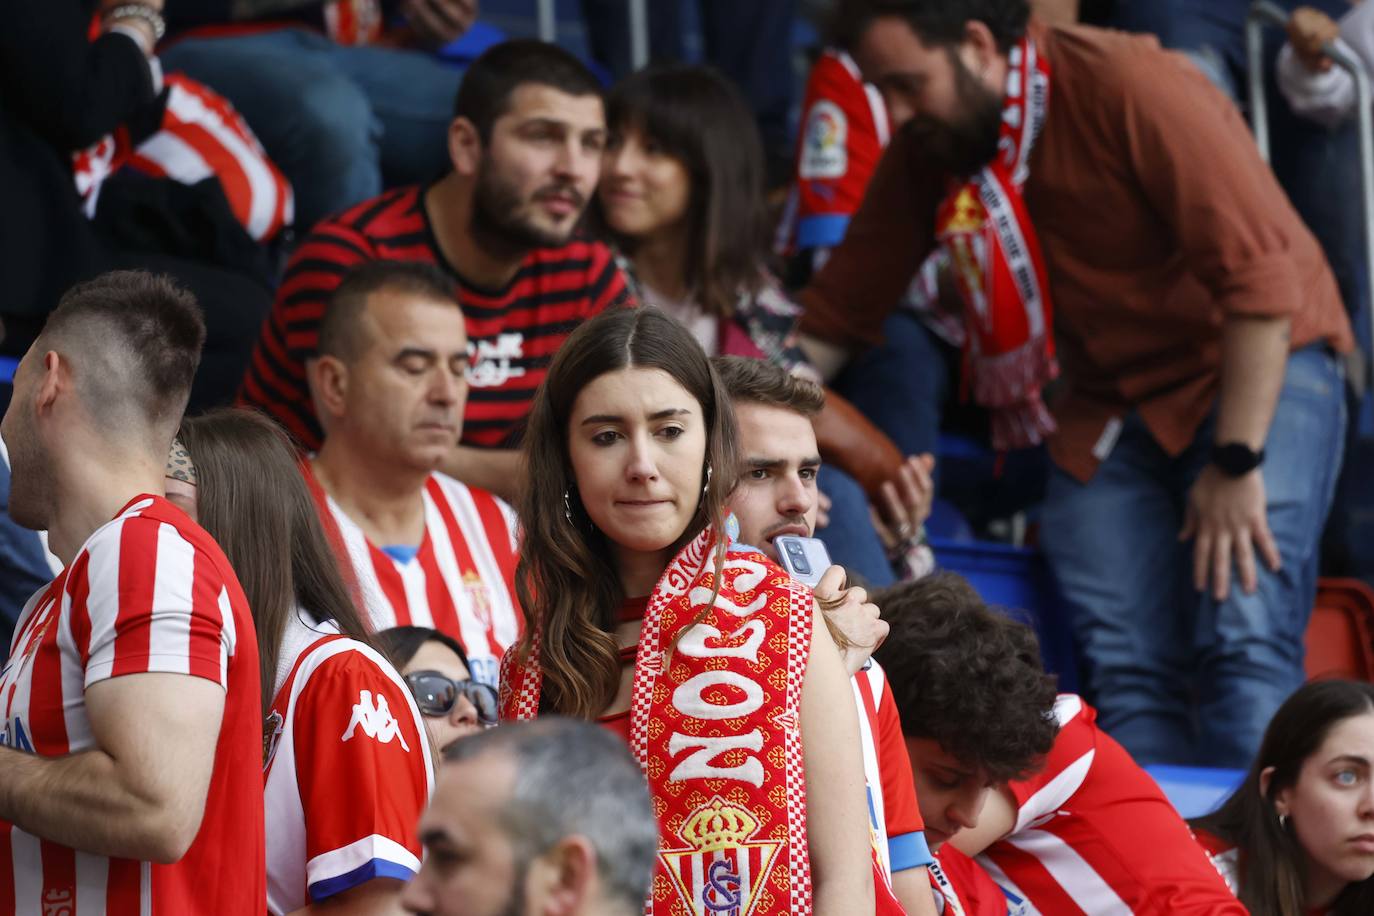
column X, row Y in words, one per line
column 719, row 872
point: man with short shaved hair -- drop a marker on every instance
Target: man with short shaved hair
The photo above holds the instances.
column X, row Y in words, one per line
column 389, row 387
column 130, row 717
column 534, row 818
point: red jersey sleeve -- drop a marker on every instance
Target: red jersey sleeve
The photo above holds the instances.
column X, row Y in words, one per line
column 362, row 764
column 146, row 600
column 900, row 809
column 1066, row 766
column 844, row 130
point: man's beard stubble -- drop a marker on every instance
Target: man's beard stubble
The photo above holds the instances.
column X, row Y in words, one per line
column 496, row 222
column 962, row 148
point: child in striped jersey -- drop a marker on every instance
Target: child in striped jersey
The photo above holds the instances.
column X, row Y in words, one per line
column 346, row 759
column 1055, row 810
column 421, row 548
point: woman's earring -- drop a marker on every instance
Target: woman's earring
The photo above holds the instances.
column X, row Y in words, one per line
column 1283, row 822
column 567, row 508
column 706, row 487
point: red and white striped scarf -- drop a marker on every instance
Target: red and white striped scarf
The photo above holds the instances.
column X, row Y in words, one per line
column 715, row 722
column 997, row 265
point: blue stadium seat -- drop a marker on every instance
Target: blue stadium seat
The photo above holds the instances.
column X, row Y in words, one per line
column 1195, row 791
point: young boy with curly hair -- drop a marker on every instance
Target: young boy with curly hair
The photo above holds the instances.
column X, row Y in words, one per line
column 1057, row 813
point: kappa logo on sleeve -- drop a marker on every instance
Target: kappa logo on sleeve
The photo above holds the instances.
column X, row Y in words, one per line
column 374, row 717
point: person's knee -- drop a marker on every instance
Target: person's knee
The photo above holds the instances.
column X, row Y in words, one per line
column 335, row 119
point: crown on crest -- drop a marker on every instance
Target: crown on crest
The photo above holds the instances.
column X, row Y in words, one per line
column 719, row 825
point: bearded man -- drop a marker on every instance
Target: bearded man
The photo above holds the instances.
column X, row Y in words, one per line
column 525, row 147
column 1197, row 419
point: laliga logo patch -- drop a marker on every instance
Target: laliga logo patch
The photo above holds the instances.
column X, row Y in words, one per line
column 718, row 872
column 823, row 150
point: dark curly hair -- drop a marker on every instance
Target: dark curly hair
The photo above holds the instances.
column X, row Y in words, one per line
column 967, row 676
column 936, row 22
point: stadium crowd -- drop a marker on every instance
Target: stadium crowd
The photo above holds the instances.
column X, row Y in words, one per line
column 478, row 490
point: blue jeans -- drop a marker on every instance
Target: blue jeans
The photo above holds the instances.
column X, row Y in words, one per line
column 339, row 121
column 1320, row 171
column 1178, row 677
column 23, row 566
column 850, row 537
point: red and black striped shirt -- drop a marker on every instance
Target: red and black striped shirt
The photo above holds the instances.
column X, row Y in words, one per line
column 512, row 332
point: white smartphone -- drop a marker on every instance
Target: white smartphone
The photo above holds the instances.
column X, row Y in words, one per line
column 805, row 559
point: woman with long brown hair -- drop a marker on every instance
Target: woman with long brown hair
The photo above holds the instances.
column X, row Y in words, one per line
column 681, row 197
column 346, row 760
column 705, row 657
column 1297, row 837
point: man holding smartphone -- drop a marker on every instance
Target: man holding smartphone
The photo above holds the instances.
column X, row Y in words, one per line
column 776, row 503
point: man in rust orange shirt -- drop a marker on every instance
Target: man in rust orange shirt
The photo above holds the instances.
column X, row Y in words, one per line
column 1140, row 295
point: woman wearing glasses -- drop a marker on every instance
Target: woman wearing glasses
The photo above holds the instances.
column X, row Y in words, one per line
column 435, row 667
column 346, row 763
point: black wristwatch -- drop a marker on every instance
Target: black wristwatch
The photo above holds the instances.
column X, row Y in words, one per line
column 1236, row 459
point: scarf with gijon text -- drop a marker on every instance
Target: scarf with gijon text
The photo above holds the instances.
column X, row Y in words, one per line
column 715, row 723
column 997, row 265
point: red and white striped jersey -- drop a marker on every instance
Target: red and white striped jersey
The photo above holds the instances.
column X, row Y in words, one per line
column 204, row 136
column 892, row 811
column 149, row 591
column 461, row 581
column 347, row 770
column 894, row 816
column 201, row 136
column 1225, row 857
column 963, row 888
column 1095, row 835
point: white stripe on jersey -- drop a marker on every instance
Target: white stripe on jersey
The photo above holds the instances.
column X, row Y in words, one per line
column 28, row 872
column 1023, row 905
column 172, row 643
column 79, row 733
column 229, row 640
column 1055, row 794
column 178, row 160
column 342, row 861
column 868, row 743
column 1080, row 881
column 504, row 626
column 102, row 571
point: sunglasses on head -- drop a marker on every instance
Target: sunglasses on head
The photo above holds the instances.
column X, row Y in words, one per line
column 436, row 693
